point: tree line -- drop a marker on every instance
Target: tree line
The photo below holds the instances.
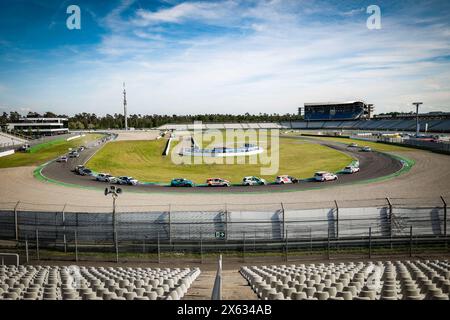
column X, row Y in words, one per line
column 116, row 121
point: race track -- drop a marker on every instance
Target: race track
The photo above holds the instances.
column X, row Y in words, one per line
column 429, row 178
column 373, row 165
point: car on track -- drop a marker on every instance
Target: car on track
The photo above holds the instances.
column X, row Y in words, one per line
column 106, row 177
column 366, row 149
column 350, row 169
column 74, row 154
column 353, row 145
column 286, row 179
column 217, row 182
column 181, row 182
column 324, row 176
column 62, row 159
column 86, row 172
column 127, row 180
column 24, row 148
column 82, row 148
column 253, row 181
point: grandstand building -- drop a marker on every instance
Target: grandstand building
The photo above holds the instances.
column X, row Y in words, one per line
column 40, row 126
column 352, row 110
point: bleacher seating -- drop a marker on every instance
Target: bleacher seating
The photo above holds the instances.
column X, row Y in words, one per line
column 7, row 140
column 232, row 126
column 299, row 124
column 374, row 124
column 269, row 125
column 443, row 126
column 315, row 124
column 331, row 124
column 94, row 283
column 401, row 280
column 215, row 126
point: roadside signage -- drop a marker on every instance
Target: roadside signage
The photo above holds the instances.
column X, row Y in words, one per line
column 220, row 235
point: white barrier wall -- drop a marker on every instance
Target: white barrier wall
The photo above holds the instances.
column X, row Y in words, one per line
column 6, row 153
column 310, row 223
column 252, row 224
column 234, row 224
column 166, row 151
column 75, row 137
column 196, row 224
column 427, row 221
column 356, row 221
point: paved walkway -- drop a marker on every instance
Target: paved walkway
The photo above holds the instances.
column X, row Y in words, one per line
column 234, row 287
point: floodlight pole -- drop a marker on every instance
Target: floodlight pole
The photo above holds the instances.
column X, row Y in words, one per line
column 114, row 196
column 417, row 104
column 114, row 193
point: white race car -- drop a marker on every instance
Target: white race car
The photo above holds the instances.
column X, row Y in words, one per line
column 350, row 169
column 325, row 176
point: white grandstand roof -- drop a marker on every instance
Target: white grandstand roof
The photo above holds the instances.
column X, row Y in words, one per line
column 312, row 104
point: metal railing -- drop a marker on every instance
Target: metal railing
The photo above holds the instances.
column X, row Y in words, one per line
column 258, row 228
column 428, row 145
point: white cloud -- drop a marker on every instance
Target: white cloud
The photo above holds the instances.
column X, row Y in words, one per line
column 275, row 63
column 178, row 13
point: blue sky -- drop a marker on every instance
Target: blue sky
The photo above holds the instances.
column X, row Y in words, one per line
column 222, row 56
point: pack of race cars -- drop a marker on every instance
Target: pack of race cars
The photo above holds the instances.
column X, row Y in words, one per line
column 320, row 176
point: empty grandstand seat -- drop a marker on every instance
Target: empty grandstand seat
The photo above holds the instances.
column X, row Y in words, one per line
column 232, row 126
column 443, row 126
column 285, row 125
column 299, row 124
column 332, row 124
column 92, row 283
column 315, row 124
column 399, row 280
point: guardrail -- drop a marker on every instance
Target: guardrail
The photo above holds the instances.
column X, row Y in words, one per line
column 232, row 224
column 442, row 147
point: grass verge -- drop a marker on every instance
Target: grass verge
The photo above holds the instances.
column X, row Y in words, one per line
column 44, row 152
column 144, row 161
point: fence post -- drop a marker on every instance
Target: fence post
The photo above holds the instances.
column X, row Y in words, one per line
column 286, row 247
column 170, row 225
column 226, row 222
column 254, row 243
column 390, row 220
column 284, row 222
column 445, row 216
column 37, row 244
column 337, row 219
column 243, row 249
column 370, row 242
column 159, row 250
column 116, row 244
column 143, row 245
column 114, row 219
column 310, row 240
column 16, row 224
column 76, row 245
column 328, row 244
column 26, row 250
column 65, row 243
column 201, row 247
column 410, row 241
column 63, row 215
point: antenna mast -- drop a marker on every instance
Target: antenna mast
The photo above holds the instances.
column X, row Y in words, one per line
column 125, row 107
